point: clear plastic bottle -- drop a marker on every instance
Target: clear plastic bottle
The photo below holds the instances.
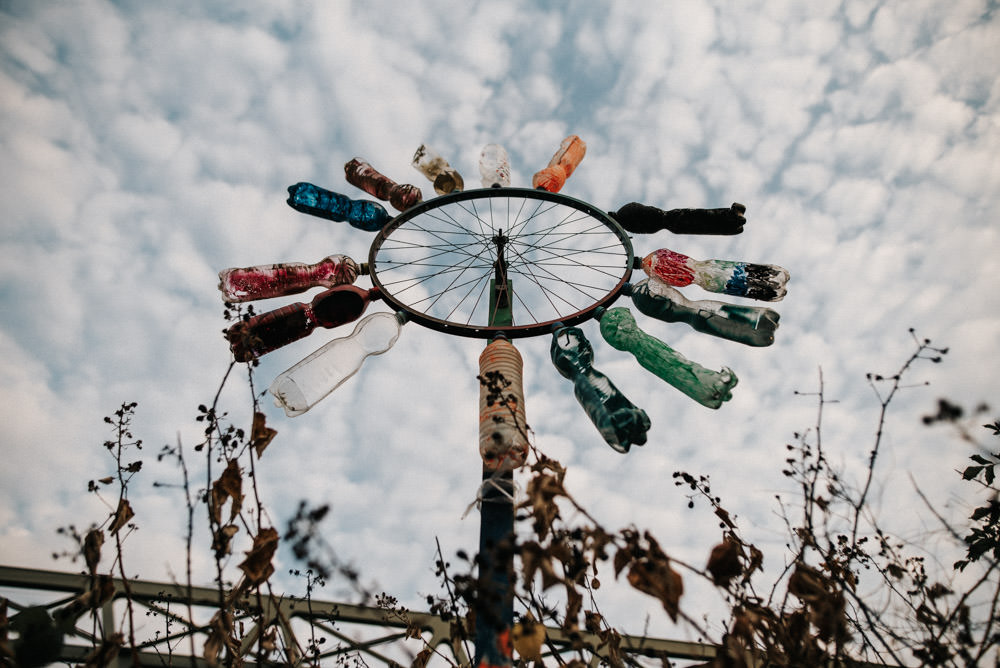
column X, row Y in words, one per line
column 494, row 166
column 561, row 166
column 269, row 331
column 316, row 201
column 362, row 175
column 766, row 282
column 751, row 325
column 304, row 385
column 444, row 177
column 244, row 284
column 620, row 422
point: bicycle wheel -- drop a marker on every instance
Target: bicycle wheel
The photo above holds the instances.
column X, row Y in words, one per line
column 556, row 258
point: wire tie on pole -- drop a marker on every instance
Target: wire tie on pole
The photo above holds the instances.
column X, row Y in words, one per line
column 491, row 481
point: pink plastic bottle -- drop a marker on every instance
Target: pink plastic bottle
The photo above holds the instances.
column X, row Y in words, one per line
column 766, row 282
column 243, row 284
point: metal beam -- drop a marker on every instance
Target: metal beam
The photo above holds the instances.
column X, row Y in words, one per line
column 393, row 633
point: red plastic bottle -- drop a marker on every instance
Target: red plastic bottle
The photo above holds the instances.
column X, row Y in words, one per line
column 362, row 175
column 269, row 331
column 289, row 278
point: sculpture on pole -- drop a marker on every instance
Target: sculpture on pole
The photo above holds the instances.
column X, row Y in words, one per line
column 501, row 263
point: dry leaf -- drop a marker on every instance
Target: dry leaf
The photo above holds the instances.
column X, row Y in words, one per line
column 102, row 590
column 529, row 637
column 219, row 637
column 756, row 560
column 269, row 640
column 724, row 562
column 650, row 572
column 659, row 580
column 824, row 601
column 106, row 653
column 807, row 584
column 532, row 558
column 574, row 604
column 542, row 491
column 261, row 435
column 123, row 514
column 92, row 549
column 257, row 566
column 420, row 661
column 723, row 515
column 622, row 559
column 228, row 486
column 222, row 541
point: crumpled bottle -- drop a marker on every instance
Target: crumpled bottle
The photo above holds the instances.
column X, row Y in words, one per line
column 316, row 201
column 751, row 325
column 561, row 166
column 494, row 166
column 709, row 388
column 269, row 331
column 643, row 219
column 765, row 282
column 305, row 384
column 620, row 422
column 362, row 175
column 444, row 177
column 244, row 284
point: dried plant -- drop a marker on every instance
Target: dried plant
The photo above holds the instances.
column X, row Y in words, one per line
column 849, row 591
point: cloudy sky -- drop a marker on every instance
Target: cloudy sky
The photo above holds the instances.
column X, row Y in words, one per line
column 146, row 146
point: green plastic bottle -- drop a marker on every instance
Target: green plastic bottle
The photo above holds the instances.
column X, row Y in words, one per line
column 709, row 388
column 621, row 423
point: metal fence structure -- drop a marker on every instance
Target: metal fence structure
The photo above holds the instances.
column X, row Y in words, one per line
column 173, row 623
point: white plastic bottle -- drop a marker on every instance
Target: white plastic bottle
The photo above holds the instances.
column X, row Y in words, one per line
column 307, row 383
column 494, row 166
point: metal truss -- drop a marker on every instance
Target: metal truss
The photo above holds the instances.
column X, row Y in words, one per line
column 173, row 622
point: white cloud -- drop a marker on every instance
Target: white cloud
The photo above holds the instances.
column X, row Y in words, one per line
column 898, row 31
column 144, row 149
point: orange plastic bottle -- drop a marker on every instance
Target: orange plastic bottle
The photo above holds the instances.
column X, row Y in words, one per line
column 561, row 166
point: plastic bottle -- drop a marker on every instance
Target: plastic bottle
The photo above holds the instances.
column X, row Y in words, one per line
column 316, row 201
column 708, row 388
column 305, row 384
column 362, row 175
column 444, row 177
column 289, row 278
column 620, row 422
column 494, row 166
column 269, row 331
column 751, row 325
column 765, row 282
column 642, row 219
column 561, row 166
column 503, row 443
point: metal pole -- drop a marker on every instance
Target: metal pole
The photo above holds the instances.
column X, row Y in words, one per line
column 502, row 444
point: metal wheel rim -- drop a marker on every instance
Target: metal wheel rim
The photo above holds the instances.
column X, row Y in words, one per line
column 557, row 278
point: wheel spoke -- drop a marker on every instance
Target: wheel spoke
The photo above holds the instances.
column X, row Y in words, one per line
column 560, row 257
